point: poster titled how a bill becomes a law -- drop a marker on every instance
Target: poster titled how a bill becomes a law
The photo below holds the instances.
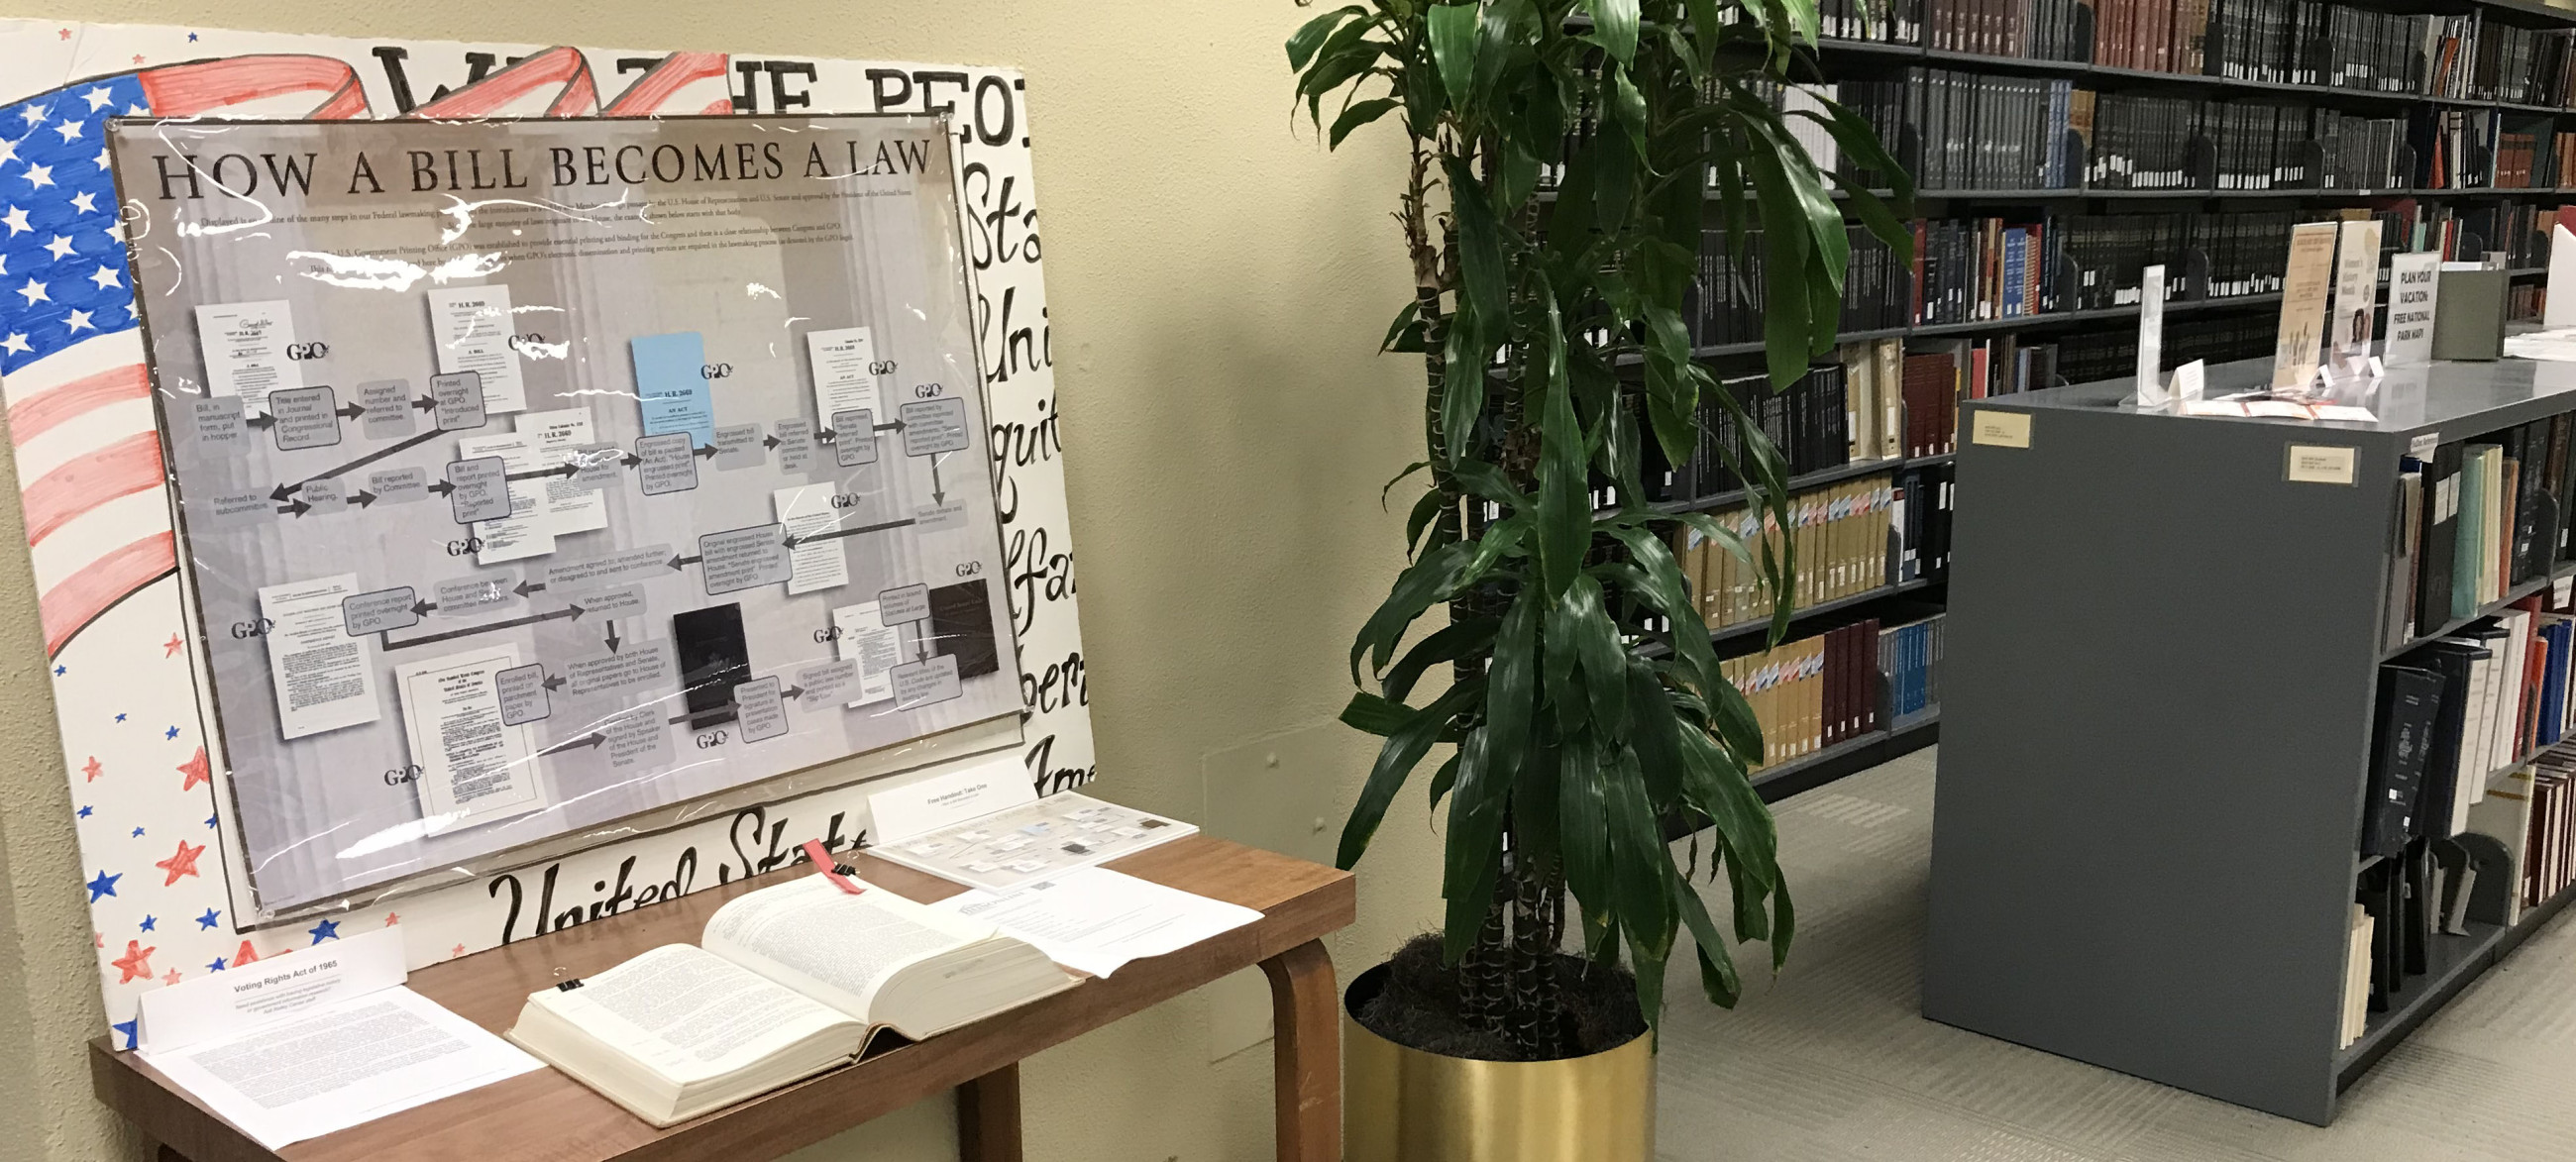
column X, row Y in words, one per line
column 536, row 474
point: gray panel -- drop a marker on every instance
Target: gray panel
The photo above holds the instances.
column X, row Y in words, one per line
column 2155, row 726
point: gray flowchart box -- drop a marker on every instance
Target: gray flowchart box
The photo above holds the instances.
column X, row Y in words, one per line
column 482, row 488
column 825, row 683
column 476, row 596
column 939, row 518
column 637, row 564
column 595, row 467
column 922, row 683
column 399, row 485
column 303, row 418
column 669, row 463
column 326, row 496
column 795, row 445
column 523, row 694
column 459, row 396
column 762, row 713
column 639, row 739
column 376, row 612
column 216, row 423
column 623, row 601
column 933, row 426
column 743, row 558
column 639, row 666
column 388, row 404
column 738, row 446
column 909, row 603
column 235, row 511
column 854, row 438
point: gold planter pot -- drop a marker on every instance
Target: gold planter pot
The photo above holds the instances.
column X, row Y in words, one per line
column 1406, row 1105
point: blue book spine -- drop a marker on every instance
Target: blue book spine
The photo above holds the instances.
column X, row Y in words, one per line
column 2016, row 259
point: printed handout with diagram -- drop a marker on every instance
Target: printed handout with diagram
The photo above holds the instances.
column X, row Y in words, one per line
column 557, row 472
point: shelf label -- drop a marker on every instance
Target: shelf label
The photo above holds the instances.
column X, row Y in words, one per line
column 2319, row 464
column 2002, row 429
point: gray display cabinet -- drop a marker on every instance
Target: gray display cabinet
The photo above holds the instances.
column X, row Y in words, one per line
column 2156, row 720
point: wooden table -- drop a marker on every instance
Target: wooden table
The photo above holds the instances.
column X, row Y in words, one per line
column 546, row 1116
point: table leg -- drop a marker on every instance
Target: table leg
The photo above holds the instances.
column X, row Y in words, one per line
column 988, row 1117
column 1305, row 1012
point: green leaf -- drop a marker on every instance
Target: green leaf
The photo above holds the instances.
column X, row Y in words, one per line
column 1451, row 29
column 1614, row 25
column 1302, row 46
column 1639, row 865
column 1452, row 642
column 1403, row 749
column 1564, row 504
column 1751, row 922
column 1472, row 851
column 1481, row 267
column 1495, row 40
column 1605, row 661
column 1656, row 737
column 1649, row 968
column 1487, row 482
column 1443, row 779
column 1718, row 787
column 1371, row 714
column 1706, row 32
column 1345, row 57
column 1511, row 691
column 1784, row 925
column 1462, row 387
column 1415, row 589
column 1358, row 114
column 1717, row 975
column 1785, row 243
column 1424, row 512
column 1583, row 827
column 1501, row 537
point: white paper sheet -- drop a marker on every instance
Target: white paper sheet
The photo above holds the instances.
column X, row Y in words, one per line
column 842, row 379
column 2414, row 285
column 864, row 637
column 349, row 1063
column 530, row 531
column 323, row 678
column 471, row 326
column 471, row 765
column 806, row 510
column 245, row 348
column 569, row 507
column 1095, row 920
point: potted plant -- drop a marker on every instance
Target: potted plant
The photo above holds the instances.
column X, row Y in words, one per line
column 1584, row 703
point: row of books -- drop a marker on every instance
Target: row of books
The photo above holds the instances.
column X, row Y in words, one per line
column 2458, row 711
column 2547, row 790
column 2473, row 57
column 2112, row 352
column 1821, row 691
column 1832, row 416
column 1842, row 538
column 1724, row 304
column 1972, row 131
column 2480, row 517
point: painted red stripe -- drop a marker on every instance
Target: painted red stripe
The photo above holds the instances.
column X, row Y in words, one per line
column 493, row 94
column 69, row 607
column 38, row 413
column 677, row 71
column 123, row 468
column 187, row 90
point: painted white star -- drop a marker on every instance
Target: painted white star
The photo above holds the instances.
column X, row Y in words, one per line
column 39, row 176
column 137, row 111
column 15, row 344
column 33, row 114
column 104, row 277
column 35, row 292
column 79, row 321
column 69, row 130
column 85, row 201
column 15, row 220
column 8, row 151
column 133, row 310
column 99, row 98
column 115, row 232
column 60, row 247
column 103, row 163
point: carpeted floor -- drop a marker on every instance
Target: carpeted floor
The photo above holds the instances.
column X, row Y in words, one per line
column 1835, row 1062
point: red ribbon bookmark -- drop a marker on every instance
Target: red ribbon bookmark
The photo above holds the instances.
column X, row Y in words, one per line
column 823, row 863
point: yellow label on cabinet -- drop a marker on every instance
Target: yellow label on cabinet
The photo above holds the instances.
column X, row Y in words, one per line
column 2002, row 429
column 2314, row 464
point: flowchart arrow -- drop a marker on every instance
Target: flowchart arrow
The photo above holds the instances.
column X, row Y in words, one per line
column 421, row 607
column 299, row 508
column 441, row 487
column 613, row 641
column 938, row 494
column 792, row 692
column 568, row 471
column 364, row 498
column 827, row 435
column 352, row 410
column 704, row 451
column 287, row 490
column 567, row 612
column 594, row 738
column 525, row 588
column 427, row 403
column 261, row 422
column 852, row 531
column 677, row 562
column 555, row 681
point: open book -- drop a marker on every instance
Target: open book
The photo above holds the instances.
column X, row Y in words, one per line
column 790, row 981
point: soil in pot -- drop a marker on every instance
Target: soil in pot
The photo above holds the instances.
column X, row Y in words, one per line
column 1418, row 1007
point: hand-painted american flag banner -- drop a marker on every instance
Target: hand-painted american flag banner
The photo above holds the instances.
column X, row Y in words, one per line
column 82, row 423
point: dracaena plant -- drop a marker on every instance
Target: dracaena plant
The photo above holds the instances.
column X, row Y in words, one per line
column 1584, row 702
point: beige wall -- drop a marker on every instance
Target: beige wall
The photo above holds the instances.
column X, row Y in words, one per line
column 1217, row 287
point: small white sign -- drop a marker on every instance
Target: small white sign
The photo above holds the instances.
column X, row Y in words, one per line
column 2002, row 429
column 2187, row 382
column 2414, row 282
column 2151, row 333
column 2356, row 294
column 2321, row 464
column 2560, row 310
column 221, row 1005
column 913, row 809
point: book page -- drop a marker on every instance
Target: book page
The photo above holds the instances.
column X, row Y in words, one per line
column 828, row 944
column 689, row 1013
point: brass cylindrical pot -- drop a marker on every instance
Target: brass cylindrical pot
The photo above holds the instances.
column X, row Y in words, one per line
column 1405, row 1105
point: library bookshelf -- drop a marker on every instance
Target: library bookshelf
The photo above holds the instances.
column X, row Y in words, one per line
column 2157, row 734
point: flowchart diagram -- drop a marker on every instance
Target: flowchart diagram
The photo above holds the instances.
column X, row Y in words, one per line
column 508, row 513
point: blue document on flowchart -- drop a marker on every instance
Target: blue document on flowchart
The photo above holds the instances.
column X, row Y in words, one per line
column 670, row 382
